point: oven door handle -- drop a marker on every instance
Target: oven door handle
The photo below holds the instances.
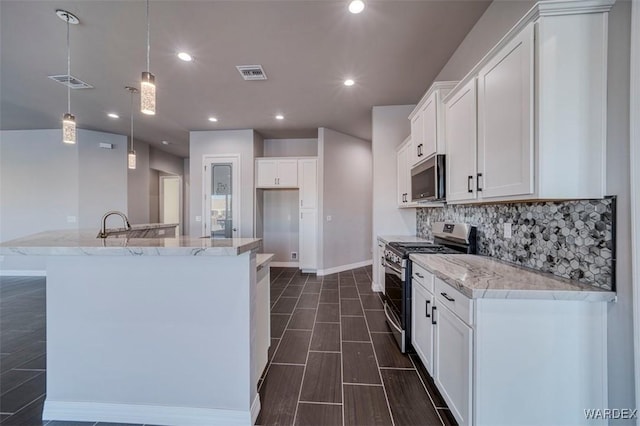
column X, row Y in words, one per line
column 390, row 318
column 394, row 269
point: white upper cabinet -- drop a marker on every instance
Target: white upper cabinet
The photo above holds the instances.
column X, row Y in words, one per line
column 427, row 124
column 505, row 120
column 276, row 173
column 460, row 135
column 541, row 110
column 308, row 179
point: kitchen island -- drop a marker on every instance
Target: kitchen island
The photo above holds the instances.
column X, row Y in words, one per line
column 149, row 330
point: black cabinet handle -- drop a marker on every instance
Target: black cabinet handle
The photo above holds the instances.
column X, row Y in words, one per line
column 470, row 183
column 433, row 315
column 478, row 187
column 426, row 308
column 419, row 275
column 446, row 296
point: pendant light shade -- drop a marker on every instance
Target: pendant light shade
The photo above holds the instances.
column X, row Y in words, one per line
column 148, row 83
column 148, row 94
column 68, row 120
column 69, row 129
column 131, row 155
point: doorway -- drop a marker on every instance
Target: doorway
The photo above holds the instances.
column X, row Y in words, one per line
column 170, row 205
column 221, row 197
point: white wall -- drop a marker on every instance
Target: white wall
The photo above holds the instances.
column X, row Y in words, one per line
column 165, row 162
column 138, row 186
column 290, row 147
column 345, row 165
column 203, row 143
column 391, row 126
column 43, row 182
column 495, row 22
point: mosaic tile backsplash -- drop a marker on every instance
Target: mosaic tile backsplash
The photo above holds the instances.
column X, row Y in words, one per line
column 571, row 239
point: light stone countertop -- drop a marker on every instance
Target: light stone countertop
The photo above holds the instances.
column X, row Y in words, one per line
column 484, row 277
column 141, row 226
column 401, row 239
column 263, row 258
column 85, row 243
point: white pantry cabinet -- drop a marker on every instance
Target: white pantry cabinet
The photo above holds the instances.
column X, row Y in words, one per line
column 276, row 173
column 308, row 240
column 541, row 110
column 404, row 174
column 308, row 179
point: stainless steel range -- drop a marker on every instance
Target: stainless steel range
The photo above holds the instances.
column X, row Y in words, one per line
column 449, row 238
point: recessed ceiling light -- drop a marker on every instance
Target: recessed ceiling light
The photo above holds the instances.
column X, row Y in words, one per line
column 349, row 82
column 279, row 117
column 356, row 6
column 113, row 115
column 185, row 56
column 213, row 119
column 165, row 143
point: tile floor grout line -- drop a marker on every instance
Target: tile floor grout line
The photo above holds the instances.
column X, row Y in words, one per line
column 319, row 403
column 306, row 362
column 398, row 368
column 375, row 355
column 287, row 363
column 363, row 384
column 26, row 405
column 325, row 352
column 433, row 404
column 4, row 392
column 344, row 403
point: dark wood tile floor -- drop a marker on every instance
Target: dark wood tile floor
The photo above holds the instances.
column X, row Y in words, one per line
column 332, row 359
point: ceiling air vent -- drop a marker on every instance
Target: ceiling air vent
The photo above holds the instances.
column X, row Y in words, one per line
column 70, row 81
column 252, row 72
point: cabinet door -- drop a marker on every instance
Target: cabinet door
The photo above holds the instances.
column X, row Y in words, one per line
column 266, row 172
column 422, row 329
column 429, row 126
column 308, row 239
column 453, row 367
column 417, row 124
column 262, row 320
column 288, row 173
column 308, row 180
column 380, row 261
column 403, row 192
column 505, row 120
column 460, row 139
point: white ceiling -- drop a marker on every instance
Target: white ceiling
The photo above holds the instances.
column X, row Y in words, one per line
column 393, row 50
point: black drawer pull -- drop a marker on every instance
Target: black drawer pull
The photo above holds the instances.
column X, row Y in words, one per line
column 470, row 183
column 426, row 308
column 419, row 275
column 478, row 187
column 446, row 296
column 433, row 315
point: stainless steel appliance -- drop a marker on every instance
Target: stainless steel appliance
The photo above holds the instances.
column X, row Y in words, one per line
column 428, row 180
column 449, row 238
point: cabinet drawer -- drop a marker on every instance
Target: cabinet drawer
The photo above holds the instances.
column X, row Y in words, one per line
column 451, row 298
column 422, row 276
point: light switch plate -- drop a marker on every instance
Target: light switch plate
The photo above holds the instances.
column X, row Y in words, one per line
column 507, row 229
column 329, row 218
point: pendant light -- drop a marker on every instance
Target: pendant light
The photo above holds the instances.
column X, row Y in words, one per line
column 131, row 156
column 148, row 84
column 68, row 120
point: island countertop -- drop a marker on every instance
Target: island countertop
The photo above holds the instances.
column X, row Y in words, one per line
column 85, row 243
column 483, row 277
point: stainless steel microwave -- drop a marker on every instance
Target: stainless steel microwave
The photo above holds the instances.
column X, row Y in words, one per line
column 428, row 180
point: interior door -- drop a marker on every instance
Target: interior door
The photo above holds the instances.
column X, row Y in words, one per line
column 221, row 197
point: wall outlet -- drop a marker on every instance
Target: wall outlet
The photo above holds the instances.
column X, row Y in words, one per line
column 104, row 145
column 507, row 229
column 71, row 219
column 198, row 218
column 294, row 255
column 329, row 218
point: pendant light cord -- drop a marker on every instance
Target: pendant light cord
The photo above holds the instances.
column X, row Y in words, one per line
column 148, row 42
column 68, row 70
column 132, row 120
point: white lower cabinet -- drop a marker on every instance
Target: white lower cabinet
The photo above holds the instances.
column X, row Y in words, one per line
column 378, row 266
column 510, row 361
column 262, row 319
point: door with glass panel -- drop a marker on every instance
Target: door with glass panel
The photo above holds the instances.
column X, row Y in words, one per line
column 221, row 197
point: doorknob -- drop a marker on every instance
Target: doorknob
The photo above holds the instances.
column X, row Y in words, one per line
column 234, row 230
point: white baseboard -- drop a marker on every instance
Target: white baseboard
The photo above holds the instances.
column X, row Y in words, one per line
column 22, row 273
column 147, row 414
column 255, row 409
column 284, row 264
column 344, row 267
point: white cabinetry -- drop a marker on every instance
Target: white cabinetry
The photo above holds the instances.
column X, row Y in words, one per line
column 427, row 124
column 378, row 267
column 460, row 134
column 505, row 120
column 404, row 174
column 308, row 179
column 495, row 360
column 262, row 319
column 276, row 173
column 308, row 240
column 541, row 110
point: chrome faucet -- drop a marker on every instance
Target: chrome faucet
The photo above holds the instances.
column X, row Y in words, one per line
column 103, row 230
